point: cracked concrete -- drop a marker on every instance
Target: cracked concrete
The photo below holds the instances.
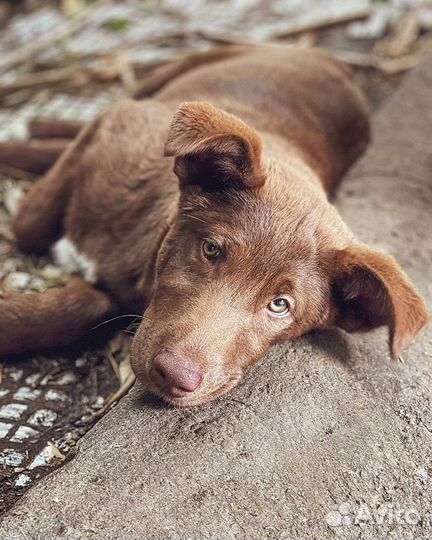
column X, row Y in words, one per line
column 320, row 426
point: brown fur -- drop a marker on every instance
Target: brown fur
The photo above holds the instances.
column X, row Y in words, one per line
column 257, row 140
column 34, row 158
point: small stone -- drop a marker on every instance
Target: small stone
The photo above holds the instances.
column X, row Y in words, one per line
column 12, row 196
column 11, row 265
column 11, row 457
column 81, row 362
column 45, row 380
column 43, row 418
column 46, row 456
column 15, row 374
column 375, row 26
column 12, row 411
column 55, row 395
column 32, row 379
column 333, row 519
column 37, row 284
column 51, row 272
column 17, row 281
column 67, row 378
column 4, row 429
column 98, row 403
column 26, row 394
column 19, row 130
column 24, row 433
column 422, row 473
column 3, row 392
column 23, row 480
column 425, row 19
column 345, row 508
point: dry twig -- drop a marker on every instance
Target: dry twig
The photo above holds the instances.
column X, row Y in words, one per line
column 403, row 39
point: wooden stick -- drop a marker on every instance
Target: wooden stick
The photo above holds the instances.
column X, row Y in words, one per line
column 64, row 77
column 52, row 77
column 293, row 28
column 324, row 22
column 388, row 66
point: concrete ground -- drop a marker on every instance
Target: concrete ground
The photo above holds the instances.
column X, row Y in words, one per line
column 326, row 438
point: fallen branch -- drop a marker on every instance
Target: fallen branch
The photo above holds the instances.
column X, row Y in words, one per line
column 70, row 77
column 404, row 37
column 116, row 396
column 314, row 21
column 54, row 77
column 388, row 66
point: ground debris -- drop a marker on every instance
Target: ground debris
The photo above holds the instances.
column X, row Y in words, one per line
column 47, row 456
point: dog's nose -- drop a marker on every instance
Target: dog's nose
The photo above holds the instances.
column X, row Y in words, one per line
column 175, row 374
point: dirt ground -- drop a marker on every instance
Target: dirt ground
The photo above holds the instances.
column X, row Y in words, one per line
column 47, row 402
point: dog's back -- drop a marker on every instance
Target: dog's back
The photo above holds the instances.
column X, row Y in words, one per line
column 305, row 96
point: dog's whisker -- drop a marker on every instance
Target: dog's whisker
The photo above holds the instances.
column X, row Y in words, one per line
column 133, row 327
column 114, row 319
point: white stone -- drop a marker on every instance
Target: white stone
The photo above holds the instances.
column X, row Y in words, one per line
column 12, row 411
column 375, row 26
column 23, row 480
column 66, row 378
column 425, row 18
column 4, row 429
column 43, row 417
column 422, row 473
column 16, row 281
column 98, row 403
column 26, row 393
column 12, row 196
column 37, row 284
column 15, row 374
column 333, row 519
column 81, row 362
column 11, row 457
column 24, row 433
column 46, row 456
column 55, row 395
column 31, row 379
column 51, row 272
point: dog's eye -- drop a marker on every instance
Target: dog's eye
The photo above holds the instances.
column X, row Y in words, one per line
column 279, row 306
column 211, row 249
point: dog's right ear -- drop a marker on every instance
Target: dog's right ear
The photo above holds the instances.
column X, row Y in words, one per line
column 214, row 149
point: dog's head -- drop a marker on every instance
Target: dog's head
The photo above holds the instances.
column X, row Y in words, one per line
column 256, row 255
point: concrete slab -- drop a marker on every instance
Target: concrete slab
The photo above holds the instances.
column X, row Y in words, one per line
column 326, row 438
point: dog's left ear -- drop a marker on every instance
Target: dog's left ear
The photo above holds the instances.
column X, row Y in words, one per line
column 214, row 149
column 371, row 290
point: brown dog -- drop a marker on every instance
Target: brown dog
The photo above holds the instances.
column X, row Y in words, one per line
column 238, row 250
